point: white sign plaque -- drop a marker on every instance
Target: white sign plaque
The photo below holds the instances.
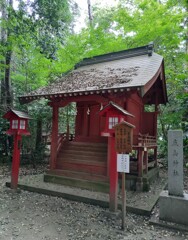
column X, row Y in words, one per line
column 123, row 163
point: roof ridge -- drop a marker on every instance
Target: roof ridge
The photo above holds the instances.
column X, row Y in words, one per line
column 143, row 50
column 117, row 106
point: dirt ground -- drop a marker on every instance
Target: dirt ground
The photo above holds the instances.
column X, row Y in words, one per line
column 31, row 216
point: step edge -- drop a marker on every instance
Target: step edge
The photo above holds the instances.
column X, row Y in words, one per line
column 76, row 179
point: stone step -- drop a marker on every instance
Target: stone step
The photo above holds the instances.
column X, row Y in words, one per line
column 79, row 183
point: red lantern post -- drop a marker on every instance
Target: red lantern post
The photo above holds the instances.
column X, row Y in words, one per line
column 114, row 114
column 18, row 127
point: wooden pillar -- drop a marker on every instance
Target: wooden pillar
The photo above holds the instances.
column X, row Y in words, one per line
column 54, row 138
column 139, row 182
column 88, row 122
column 146, row 161
column 16, row 161
column 113, row 194
column 155, row 156
column 68, row 132
column 68, row 127
column 108, row 158
column 155, row 117
column 78, row 121
column 85, row 121
column 140, row 162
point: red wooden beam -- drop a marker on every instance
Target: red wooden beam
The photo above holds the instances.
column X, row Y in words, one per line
column 67, row 100
column 113, row 174
column 54, row 140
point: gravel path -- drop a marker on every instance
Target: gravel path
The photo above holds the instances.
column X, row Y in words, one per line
column 32, row 216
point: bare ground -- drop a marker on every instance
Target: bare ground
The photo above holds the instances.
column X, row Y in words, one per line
column 31, row 216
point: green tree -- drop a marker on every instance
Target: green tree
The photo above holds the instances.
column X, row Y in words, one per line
column 30, row 36
column 164, row 22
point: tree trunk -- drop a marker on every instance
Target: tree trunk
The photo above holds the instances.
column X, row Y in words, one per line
column 2, row 62
column 39, row 134
column 8, row 95
column 89, row 12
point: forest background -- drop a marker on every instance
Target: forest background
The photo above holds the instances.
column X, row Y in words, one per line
column 39, row 44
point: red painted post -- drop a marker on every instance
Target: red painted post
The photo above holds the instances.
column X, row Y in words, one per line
column 85, row 121
column 16, row 161
column 54, row 138
column 113, row 175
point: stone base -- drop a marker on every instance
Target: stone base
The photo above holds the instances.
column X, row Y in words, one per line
column 80, row 183
column 173, row 209
column 140, row 184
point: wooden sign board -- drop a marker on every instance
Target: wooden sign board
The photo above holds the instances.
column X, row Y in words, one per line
column 123, row 137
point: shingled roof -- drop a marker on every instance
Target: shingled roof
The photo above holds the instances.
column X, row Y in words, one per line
column 109, row 72
column 16, row 113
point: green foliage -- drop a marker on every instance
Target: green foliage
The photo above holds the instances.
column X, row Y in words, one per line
column 139, row 22
column 52, row 19
column 5, row 141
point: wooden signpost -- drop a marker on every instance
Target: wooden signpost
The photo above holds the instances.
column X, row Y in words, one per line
column 123, row 145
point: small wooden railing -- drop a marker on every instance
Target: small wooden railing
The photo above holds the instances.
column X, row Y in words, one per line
column 62, row 139
column 146, row 140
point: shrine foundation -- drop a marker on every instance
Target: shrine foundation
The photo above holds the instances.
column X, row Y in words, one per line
column 135, row 183
column 173, row 208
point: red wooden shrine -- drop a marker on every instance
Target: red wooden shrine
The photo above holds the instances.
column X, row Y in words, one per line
column 106, row 89
column 18, row 127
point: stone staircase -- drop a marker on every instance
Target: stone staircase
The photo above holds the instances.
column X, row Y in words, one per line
column 81, row 164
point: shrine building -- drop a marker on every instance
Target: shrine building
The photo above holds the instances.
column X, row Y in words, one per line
column 106, row 89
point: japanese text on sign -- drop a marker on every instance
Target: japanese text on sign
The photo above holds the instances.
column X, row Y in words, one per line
column 175, row 162
column 123, row 138
column 174, row 147
column 123, row 163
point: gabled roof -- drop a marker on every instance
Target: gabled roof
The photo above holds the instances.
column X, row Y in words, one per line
column 134, row 68
column 17, row 113
column 125, row 124
column 115, row 106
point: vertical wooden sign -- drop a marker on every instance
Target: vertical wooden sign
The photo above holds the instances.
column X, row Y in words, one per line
column 123, row 144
